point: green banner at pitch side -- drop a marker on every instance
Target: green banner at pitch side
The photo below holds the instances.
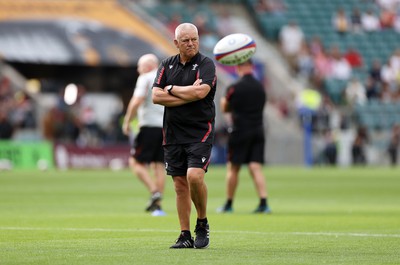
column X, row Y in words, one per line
column 27, row 155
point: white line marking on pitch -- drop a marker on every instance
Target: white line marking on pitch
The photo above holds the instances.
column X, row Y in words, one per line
column 173, row 231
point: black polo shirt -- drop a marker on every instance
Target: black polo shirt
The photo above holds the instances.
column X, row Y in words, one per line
column 246, row 99
column 192, row 122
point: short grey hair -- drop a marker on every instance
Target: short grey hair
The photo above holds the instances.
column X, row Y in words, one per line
column 184, row 26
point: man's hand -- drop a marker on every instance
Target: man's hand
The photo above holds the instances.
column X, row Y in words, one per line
column 126, row 128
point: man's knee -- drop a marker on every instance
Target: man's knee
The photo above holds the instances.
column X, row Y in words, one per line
column 195, row 175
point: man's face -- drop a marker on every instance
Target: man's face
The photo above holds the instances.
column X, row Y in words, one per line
column 187, row 43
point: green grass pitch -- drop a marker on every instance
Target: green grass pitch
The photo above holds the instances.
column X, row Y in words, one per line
column 320, row 216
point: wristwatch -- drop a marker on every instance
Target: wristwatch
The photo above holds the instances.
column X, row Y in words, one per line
column 169, row 89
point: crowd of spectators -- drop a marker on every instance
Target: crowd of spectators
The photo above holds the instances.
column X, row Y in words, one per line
column 17, row 110
column 369, row 20
column 78, row 123
column 318, row 64
column 315, row 62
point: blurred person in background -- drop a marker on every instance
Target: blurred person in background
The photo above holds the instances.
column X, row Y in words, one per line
column 291, row 38
column 355, row 92
column 6, row 106
column 341, row 69
column 370, row 21
column 186, row 85
column 245, row 100
column 355, row 20
column 353, row 56
column 393, row 148
column 147, row 149
column 6, row 128
column 358, row 147
column 340, row 21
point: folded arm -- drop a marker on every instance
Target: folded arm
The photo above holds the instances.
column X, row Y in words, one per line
column 180, row 95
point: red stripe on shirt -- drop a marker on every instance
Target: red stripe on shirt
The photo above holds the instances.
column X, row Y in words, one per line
column 160, row 76
column 207, row 133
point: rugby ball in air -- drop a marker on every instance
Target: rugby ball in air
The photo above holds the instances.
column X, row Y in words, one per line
column 234, row 49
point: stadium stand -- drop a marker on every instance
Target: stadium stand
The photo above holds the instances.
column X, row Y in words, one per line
column 315, row 18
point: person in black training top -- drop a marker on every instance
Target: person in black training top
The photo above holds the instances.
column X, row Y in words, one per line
column 245, row 100
column 185, row 84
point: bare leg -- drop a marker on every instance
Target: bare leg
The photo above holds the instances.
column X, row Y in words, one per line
column 232, row 180
column 258, row 179
column 159, row 173
column 183, row 202
column 198, row 190
column 142, row 172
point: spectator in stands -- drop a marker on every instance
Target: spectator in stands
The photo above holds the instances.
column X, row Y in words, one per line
column 387, row 18
column 273, row 7
column 23, row 114
column 329, row 151
column 388, row 75
column 291, row 38
column 371, row 89
column 355, row 92
column 341, row 69
column 316, row 45
column 396, row 23
column 305, row 63
column 396, row 95
column 209, row 37
column 90, row 133
column 174, row 21
column 6, row 128
column 354, row 58
column 53, row 124
column 394, row 143
column 394, row 62
column 370, row 22
column 224, row 23
column 322, row 64
column 355, row 20
column 6, row 95
column 375, row 71
column 386, row 95
column 387, row 4
column 358, row 148
column 340, row 21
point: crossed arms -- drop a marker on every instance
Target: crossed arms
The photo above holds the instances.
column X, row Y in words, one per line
column 180, row 95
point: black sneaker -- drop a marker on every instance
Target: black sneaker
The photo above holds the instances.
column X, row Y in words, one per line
column 225, row 209
column 153, row 203
column 262, row 209
column 202, row 232
column 183, row 242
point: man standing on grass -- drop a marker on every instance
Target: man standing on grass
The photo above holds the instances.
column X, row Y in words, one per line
column 147, row 148
column 186, row 84
column 245, row 100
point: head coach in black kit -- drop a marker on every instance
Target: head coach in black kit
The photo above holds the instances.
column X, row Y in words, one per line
column 186, row 84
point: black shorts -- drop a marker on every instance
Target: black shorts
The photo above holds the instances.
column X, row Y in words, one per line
column 180, row 157
column 147, row 146
column 246, row 147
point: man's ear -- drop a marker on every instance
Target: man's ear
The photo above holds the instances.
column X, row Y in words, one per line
column 176, row 43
